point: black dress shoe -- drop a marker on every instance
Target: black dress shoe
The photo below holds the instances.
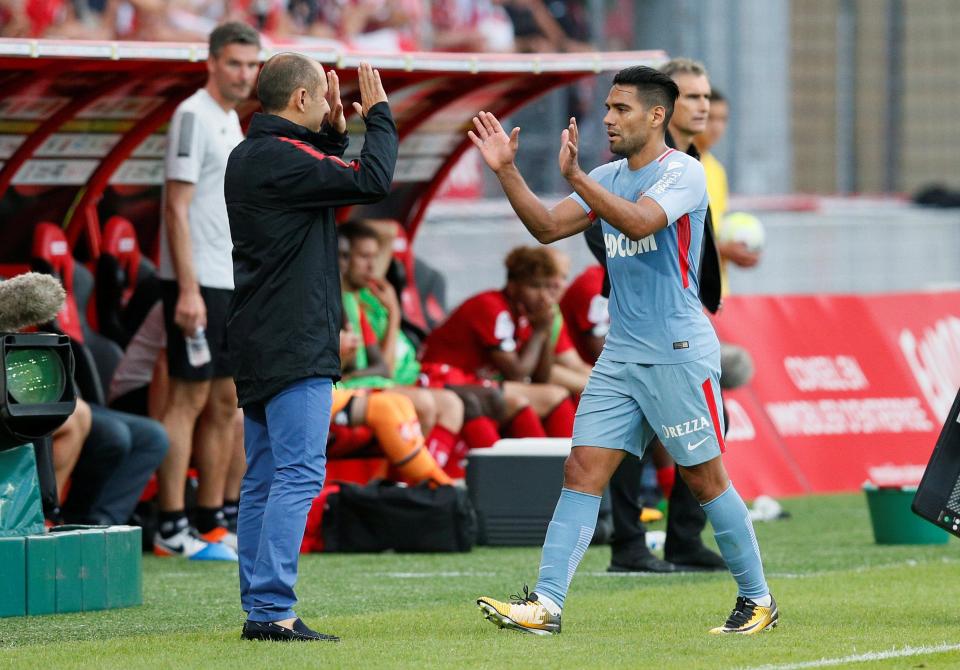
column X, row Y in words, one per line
column 640, row 563
column 698, row 559
column 267, row 630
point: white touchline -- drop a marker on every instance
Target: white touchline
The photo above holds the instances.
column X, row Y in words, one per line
column 863, row 658
column 431, row 575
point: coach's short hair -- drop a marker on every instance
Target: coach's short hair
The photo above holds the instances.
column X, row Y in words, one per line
column 281, row 76
column 677, row 66
column 654, row 88
column 716, row 95
column 233, row 32
column 526, row 264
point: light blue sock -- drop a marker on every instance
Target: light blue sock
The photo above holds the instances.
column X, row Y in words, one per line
column 733, row 531
column 568, row 537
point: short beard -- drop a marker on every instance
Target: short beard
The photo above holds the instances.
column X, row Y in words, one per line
column 628, row 149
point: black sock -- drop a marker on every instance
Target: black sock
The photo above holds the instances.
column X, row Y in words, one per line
column 231, row 511
column 208, row 518
column 172, row 523
column 231, row 508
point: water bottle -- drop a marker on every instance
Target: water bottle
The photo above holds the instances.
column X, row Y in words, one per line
column 198, row 352
column 656, row 539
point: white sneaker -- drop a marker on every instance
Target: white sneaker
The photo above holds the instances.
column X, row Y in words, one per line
column 221, row 535
column 187, row 544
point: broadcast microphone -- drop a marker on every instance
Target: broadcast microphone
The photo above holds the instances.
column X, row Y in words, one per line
column 736, row 366
column 28, row 300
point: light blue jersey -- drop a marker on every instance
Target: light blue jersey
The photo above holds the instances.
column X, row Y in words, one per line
column 655, row 310
column 658, row 375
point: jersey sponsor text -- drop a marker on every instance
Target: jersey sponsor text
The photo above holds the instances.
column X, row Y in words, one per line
column 622, row 246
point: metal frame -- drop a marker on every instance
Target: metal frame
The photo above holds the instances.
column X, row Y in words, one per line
column 529, row 77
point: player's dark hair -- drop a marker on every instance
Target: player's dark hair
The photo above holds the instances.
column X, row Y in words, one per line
column 233, row 32
column 525, row 264
column 717, row 96
column 281, row 76
column 654, row 88
column 357, row 230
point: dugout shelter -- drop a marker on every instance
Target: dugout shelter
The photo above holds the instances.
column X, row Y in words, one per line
column 82, row 126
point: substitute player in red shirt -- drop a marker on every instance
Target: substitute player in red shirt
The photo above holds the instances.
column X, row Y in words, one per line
column 569, row 369
column 585, row 313
column 504, row 336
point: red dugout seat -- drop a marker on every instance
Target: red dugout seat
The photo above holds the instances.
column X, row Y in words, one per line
column 96, row 356
column 126, row 282
column 51, row 254
column 423, row 297
column 120, row 241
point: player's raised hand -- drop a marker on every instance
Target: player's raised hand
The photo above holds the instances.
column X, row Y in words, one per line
column 371, row 89
column 335, row 117
column 569, row 142
column 497, row 148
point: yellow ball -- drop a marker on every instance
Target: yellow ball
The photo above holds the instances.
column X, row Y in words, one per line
column 743, row 227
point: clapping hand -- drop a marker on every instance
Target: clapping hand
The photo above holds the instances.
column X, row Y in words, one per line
column 371, row 89
column 335, row 116
column 569, row 140
column 497, row 148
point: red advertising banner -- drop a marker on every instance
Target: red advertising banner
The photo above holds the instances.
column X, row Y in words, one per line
column 847, row 388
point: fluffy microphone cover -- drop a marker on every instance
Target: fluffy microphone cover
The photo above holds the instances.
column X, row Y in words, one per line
column 736, row 366
column 28, row 300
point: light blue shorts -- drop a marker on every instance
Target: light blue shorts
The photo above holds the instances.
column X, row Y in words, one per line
column 626, row 405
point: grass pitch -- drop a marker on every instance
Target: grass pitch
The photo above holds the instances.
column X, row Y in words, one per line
column 844, row 601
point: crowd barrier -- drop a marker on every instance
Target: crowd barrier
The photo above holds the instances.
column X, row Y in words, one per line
column 848, row 388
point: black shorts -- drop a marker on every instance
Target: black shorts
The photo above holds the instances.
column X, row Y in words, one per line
column 217, row 301
column 136, row 402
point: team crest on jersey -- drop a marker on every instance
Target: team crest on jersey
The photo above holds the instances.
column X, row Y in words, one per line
column 622, row 246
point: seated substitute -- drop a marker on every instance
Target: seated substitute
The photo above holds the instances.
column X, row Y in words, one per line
column 503, row 337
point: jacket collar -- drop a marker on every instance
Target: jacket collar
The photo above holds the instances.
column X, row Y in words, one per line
column 692, row 151
column 271, row 125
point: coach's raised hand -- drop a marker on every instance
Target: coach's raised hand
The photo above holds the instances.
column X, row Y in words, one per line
column 335, row 116
column 371, row 89
column 497, row 148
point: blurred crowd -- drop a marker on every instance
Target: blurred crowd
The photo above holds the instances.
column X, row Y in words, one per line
column 377, row 25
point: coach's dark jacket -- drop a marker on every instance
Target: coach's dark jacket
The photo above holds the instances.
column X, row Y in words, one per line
column 281, row 186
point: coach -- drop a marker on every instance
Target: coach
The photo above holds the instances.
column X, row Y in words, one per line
column 282, row 185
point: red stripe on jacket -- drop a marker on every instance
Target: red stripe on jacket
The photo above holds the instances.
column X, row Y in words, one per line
column 683, row 248
column 306, row 148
